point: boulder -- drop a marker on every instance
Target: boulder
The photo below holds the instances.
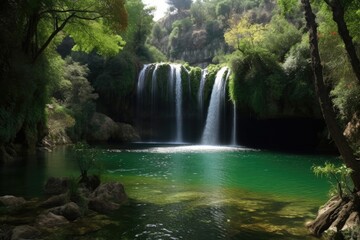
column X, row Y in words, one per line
column 56, row 186
column 107, row 197
column 70, row 211
column 102, row 128
column 125, row 133
column 102, row 206
column 25, row 232
column 12, row 201
column 51, row 220
column 56, row 200
column 113, row 192
column 5, row 231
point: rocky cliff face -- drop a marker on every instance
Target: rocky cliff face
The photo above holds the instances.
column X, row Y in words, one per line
column 180, row 39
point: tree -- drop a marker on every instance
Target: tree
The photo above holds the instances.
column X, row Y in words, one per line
column 198, row 13
column 140, row 23
column 338, row 12
column 243, row 33
column 325, row 101
column 91, row 23
column 33, row 29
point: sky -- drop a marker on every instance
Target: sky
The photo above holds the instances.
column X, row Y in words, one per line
column 160, row 5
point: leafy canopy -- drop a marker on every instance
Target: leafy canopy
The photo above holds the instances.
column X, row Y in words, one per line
column 243, row 34
column 92, row 24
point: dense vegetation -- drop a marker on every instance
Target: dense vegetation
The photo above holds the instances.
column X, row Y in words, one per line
column 63, row 61
column 85, row 57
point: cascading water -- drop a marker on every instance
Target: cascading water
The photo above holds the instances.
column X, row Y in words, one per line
column 212, row 126
column 168, row 109
column 178, row 93
column 201, row 91
column 233, row 138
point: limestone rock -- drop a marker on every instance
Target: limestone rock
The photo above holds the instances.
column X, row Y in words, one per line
column 12, row 201
column 56, row 186
column 107, row 197
column 25, row 232
column 54, row 201
column 126, row 133
column 102, row 128
column 102, row 206
column 113, row 192
column 70, row 211
column 51, row 220
column 5, row 231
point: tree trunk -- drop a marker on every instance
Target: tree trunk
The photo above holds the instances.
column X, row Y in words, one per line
column 338, row 16
column 325, row 101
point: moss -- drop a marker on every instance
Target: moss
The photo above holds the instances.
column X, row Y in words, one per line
column 257, row 84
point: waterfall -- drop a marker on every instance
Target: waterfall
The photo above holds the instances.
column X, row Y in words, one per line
column 141, row 81
column 233, row 139
column 168, row 109
column 212, row 126
column 154, row 84
column 178, row 96
column 201, row 91
column 140, row 94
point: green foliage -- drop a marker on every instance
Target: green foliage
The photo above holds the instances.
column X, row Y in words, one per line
column 97, row 36
column 339, row 177
column 280, row 36
column 288, row 6
column 223, row 9
column 140, row 22
column 244, row 34
column 79, row 98
column 347, row 98
column 258, row 83
column 300, row 96
column 151, row 54
column 198, row 14
column 86, row 159
column 23, row 96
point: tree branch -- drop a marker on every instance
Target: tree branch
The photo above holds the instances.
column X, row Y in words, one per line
column 51, row 37
column 68, row 11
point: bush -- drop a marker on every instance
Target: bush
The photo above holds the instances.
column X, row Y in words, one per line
column 339, row 177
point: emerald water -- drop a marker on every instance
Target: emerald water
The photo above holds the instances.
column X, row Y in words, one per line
column 192, row 192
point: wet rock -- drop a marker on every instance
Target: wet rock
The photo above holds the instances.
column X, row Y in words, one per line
column 125, row 133
column 25, row 232
column 55, row 201
column 51, row 220
column 113, row 192
column 5, row 232
column 71, row 211
column 56, row 186
column 102, row 206
column 11, row 201
column 90, row 183
column 101, row 128
column 107, row 197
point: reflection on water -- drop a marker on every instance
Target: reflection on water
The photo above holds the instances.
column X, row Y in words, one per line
column 193, row 192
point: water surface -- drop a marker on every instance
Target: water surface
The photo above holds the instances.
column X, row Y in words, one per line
column 193, row 192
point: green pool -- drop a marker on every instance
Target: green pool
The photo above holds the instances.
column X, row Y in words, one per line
column 193, row 192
